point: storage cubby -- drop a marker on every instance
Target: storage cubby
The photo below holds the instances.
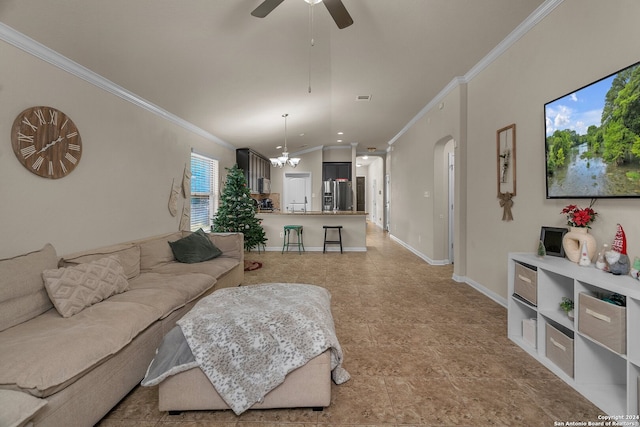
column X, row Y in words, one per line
column 633, row 339
column 555, row 287
column 599, row 357
column 633, row 398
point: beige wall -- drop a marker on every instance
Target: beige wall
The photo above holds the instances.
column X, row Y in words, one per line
column 419, row 201
column 119, row 191
column 578, row 42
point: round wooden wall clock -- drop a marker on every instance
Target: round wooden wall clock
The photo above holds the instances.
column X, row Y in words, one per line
column 46, row 141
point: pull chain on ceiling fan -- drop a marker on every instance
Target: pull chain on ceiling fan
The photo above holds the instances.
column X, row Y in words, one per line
column 312, row 41
column 335, row 7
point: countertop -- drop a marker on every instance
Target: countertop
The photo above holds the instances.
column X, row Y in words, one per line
column 313, row 213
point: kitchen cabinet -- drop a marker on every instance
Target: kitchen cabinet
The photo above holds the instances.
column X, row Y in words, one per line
column 254, row 165
column 336, row 170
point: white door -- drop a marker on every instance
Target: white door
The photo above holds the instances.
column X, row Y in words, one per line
column 451, row 205
column 387, row 206
column 297, row 192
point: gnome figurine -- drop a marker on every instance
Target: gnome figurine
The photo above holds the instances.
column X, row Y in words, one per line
column 617, row 257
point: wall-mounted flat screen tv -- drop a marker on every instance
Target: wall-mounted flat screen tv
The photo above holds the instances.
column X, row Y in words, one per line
column 592, row 139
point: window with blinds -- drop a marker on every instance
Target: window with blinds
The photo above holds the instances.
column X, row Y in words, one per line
column 204, row 191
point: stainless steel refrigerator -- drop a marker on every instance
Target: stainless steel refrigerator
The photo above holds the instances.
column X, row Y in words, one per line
column 337, row 196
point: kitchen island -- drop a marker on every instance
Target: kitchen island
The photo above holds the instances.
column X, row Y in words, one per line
column 353, row 229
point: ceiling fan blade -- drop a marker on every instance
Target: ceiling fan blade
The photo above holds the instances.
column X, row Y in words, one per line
column 265, row 8
column 339, row 13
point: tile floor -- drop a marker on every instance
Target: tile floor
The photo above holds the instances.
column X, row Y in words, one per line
column 422, row 350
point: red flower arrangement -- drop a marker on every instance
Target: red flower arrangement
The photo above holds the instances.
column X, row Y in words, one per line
column 578, row 217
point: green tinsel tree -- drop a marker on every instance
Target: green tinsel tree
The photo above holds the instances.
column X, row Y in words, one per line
column 237, row 212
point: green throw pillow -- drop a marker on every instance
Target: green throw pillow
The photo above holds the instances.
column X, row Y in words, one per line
column 196, row 247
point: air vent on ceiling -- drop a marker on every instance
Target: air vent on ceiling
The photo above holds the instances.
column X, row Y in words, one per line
column 363, row 98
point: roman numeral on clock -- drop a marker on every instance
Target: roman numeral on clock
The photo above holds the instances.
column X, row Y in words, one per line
column 40, row 116
column 28, row 123
column 64, row 169
column 74, row 147
column 28, row 151
column 36, row 165
column 25, row 138
column 69, row 157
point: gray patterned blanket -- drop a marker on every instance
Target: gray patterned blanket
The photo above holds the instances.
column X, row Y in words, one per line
column 247, row 339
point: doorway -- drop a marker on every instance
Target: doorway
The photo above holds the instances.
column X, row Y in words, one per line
column 451, row 204
column 361, row 188
column 297, row 192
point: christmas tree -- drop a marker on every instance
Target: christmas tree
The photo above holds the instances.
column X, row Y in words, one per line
column 237, row 211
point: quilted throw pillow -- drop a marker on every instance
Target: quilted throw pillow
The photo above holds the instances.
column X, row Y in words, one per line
column 72, row 289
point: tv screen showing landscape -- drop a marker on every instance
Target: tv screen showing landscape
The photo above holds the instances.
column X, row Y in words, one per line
column 592, row 139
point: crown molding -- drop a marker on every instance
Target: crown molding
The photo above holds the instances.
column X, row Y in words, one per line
column 30, row 46
column 525, row 26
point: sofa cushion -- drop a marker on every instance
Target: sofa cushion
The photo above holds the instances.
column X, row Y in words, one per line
column 165, row 292
column 128, row 253
column 196, row 247
column 50, row 352
column 18, row 408
column 215, row 268
column 71, row 289
column 156, row 251
column 22, row 292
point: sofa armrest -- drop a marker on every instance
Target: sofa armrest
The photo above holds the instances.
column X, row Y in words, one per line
column 231, row 244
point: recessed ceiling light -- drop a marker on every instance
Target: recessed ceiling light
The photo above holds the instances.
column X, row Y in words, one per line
column 339, row 140
column 340, row 133
column 278, row 147
column 363, row 98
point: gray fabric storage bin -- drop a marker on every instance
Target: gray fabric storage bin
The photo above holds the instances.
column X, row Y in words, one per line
column 559, row 349
column 526, row 283
column 604, row 322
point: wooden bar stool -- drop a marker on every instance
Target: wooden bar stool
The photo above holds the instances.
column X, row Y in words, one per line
column 336, row 242
column 299, row 243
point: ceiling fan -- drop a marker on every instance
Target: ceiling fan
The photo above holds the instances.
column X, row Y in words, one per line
column 335, row 7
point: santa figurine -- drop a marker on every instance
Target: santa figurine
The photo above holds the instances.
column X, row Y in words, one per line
column 617, row 257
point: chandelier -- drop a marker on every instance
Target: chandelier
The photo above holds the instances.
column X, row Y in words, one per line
column 284, row 159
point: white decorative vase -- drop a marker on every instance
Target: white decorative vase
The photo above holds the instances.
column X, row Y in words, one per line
column 573, row 240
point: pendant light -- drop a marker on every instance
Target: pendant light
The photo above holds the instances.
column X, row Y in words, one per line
column 284, row 159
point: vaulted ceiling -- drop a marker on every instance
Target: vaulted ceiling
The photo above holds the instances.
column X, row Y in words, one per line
column 214, row 65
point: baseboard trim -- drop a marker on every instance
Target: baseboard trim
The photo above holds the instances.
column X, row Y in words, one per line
column 461, row 279
column 418, row 253
column 482, row 289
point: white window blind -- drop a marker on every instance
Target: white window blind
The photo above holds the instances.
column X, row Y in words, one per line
column 204, row 191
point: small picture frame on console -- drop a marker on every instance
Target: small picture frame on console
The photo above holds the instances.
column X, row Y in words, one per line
column 551, row 238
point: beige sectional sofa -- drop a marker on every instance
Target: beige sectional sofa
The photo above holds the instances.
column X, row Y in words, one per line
column 83, row 364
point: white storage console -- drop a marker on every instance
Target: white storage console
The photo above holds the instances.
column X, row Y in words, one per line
column 597, row 353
